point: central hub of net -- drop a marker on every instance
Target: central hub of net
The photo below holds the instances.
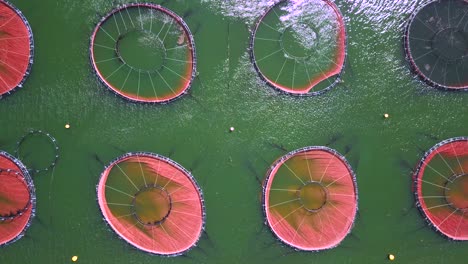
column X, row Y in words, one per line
column 450, row 43
column 313, row 196
column 298, row 40
column 142, row 50
column 456, row 192
column 152, row 205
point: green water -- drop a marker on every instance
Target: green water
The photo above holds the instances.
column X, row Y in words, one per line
column 193, row 131
column 147, row 57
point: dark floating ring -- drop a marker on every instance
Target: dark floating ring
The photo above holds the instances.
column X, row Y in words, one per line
column 436, row 44
column 52, row 140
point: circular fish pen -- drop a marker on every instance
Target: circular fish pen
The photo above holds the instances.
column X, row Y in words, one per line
column 436, row 44
column 16, row 48
column 26, row 150
column 441, row 187
column 310, row 198
column 152, row 202
column 144, row 53
column 299, row 47
column 17, row 199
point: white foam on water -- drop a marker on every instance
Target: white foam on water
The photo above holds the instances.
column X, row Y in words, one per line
column 309, row 19
column 271, row 115
column 382, row 15
column 248, row 10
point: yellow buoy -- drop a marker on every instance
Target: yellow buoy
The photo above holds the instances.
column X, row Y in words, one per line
column 386, row 115
column 74, row 258
column 391, row 257
column 67, row 126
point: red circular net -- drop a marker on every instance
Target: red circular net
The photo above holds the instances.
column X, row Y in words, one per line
column 15, row 200
column 310, row 198
column 15, row 45
column 152, row 203
column 441, row 183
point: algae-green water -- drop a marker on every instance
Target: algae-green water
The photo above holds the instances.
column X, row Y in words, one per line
column 194, row 131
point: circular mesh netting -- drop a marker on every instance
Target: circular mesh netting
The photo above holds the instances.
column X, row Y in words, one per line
column 436, row 44
column 17, row 199
column 152, row 202
column 144, row 53
column 16, row 48
column 441, row 187
column 299, row 47
column 310, row 198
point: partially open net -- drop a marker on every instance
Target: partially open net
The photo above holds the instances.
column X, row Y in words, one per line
column 17, row 199
column 299, row 47
column 441, row 187
column 144, row 53
column 152, row 202
column 436, row 44
column 310, row 198
column 16, row 48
